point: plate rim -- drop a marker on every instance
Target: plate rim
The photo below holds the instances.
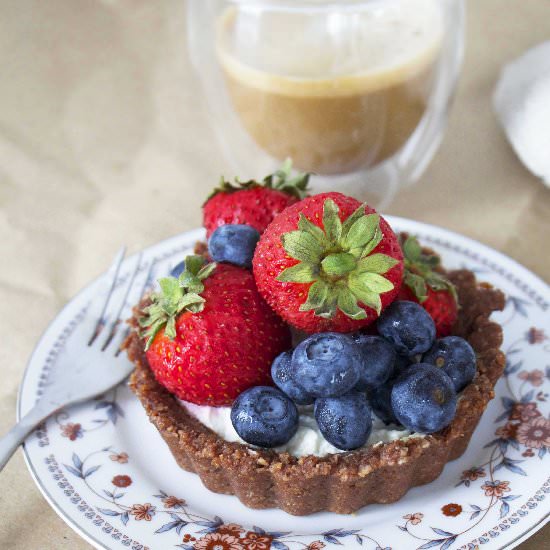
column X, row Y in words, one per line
column 18, row 404
column 198, row 233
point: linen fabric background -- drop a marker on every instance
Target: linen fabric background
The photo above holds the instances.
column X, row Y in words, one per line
column 104, row 141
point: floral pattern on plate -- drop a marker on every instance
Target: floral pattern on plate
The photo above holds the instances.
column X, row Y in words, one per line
column 80, row 457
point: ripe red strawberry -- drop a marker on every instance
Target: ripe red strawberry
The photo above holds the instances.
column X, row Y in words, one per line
column 253, row 203
column 428, row 287
column 328, row 263
column 210, row 335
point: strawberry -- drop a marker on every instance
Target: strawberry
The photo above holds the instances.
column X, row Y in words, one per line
column 253, row 203
column 328, row 263
column 423, row 284
column 210, row 335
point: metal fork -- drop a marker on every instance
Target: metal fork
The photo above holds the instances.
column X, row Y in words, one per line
column 96, row 342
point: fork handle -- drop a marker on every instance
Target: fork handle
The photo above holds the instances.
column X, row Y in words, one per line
column 18, row 434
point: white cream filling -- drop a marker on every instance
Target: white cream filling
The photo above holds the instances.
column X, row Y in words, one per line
column 308, row 440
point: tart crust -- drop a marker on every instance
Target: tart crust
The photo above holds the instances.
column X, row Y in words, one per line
column 344, row 482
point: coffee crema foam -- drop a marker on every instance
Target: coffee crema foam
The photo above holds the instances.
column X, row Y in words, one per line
column 370, row 49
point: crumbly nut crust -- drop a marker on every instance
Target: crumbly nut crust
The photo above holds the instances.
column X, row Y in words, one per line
column 344, row 482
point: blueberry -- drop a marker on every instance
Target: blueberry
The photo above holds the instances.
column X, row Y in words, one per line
column 327, row 364
column 283, row 376
column 377, row 360
column 345, row 421
column 178, row 269
column 264, row 416
column 455, row 357
column 401, row 363
column 380, row 397
column 380, row 400
column 408, row 326
column 423, row 399
column 233, row 243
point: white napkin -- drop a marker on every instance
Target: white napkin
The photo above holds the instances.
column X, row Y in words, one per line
column 522, row 103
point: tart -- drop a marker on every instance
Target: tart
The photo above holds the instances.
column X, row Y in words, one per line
column 343, row 482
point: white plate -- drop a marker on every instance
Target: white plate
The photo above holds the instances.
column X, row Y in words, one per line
column 72, row 458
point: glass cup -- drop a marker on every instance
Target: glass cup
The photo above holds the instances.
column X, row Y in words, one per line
column 356, row 92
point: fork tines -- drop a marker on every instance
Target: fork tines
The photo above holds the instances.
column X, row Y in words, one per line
column 122, row 309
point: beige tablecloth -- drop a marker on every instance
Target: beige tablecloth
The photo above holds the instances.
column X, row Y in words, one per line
column 103, row 141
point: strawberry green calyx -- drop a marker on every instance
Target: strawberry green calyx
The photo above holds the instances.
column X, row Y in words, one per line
column 281, row 180
column 338, row 259
column 175, row 296
column 420, row 271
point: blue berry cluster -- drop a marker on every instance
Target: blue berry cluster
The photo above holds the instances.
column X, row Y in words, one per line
column 403, row 374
